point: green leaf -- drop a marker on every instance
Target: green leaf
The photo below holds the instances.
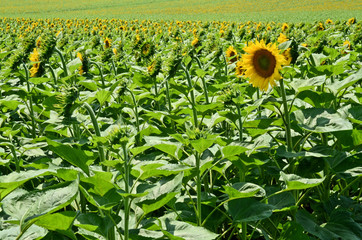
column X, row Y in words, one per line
column 342, row 224
column 321, row 120
column 200, row 145
column 60, row 222
column 23, row 205
column 160, row 194
column 10, row 182
column 233, row 150
column 244, row 190
column 338, row 86
column 183, row 230
column 102, row 96
column 248, row 209
column 74, row 64
column 170, row 149
column 39, row 80
column 292, row 230
column 89, row 84
column 295, row 182
column 94, row 223
column 74, row 156
column 33, row 232
column 310, row 226
column 306, row 84
column 147, row 169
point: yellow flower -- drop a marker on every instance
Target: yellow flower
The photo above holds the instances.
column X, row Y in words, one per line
column 285, row 27
column 287, row 55
column 231, row 54
column 107, row 43
column 347, row 44
column 262, row 64
column 282, row 38
column 239, row 70
column 34, row 57
column 114, row 51
column 351, row 21
column 81, row 70
column 329, row 21
column 195, row 42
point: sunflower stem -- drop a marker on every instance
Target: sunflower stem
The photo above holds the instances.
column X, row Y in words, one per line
column 198, row 182
column 286, row 117
column 188, row 77
column 100, row 73
column 240, row 123
column 30, row 107
column 63, row 61
column 97, row 131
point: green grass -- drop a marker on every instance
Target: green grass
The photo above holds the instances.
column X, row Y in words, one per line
column 234, row 10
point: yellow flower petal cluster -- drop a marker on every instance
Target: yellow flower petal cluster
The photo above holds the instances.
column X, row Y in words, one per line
column 262, row 64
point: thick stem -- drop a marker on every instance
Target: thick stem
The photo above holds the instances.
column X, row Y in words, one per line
column 135, row 109
column 189, row 82
column 286, row 117
column 156, row 92
column 30, row 107
column 100, row 73
column 54, row 77
column 240, row 123
column 63, row 61
column 126, row 199
column 168, row 96
column 198, row 182
column 97, row 131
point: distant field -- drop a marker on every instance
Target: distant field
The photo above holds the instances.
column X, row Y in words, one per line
column 237, row 10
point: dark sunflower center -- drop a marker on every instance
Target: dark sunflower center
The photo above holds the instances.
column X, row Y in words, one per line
column 264, row 63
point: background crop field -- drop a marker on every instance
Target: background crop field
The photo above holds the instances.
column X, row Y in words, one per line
column 236, row 10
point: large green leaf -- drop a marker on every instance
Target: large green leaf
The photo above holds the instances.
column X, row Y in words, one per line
column 321, row 120
column 244, row 190
column 146, row 169
column 338, row 86
column 72, row 155
column 294, row 182
column 292, row 230
column 233, row 150
column 160, row 194
column 200, row 145
column 248, row 209
column 60, row 222
column 10, row 182
column 33, row 232
column 94, row 223
column 309, row 224
column 23, row 205
column 182, row 230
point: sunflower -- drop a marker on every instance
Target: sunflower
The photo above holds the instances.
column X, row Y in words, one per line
column 329, row 21
column 35, row 57
column 195, row 42
column 282, row 38
column 262, row 64
column 288, row 56
column 107, row 43
column 239, row 70
column 347, row 44
column 231, row 54
column 285, row 27
column 351, row 21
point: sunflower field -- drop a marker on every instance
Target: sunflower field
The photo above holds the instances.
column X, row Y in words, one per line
column 114, row 129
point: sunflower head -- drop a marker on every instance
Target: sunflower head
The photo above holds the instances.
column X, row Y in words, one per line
column 282, row 38
column 285, row 27
column 351, row 21
column 107, row 43
column 329, row 21
column 239, row 70
column 231, row 54
column 262, row 64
